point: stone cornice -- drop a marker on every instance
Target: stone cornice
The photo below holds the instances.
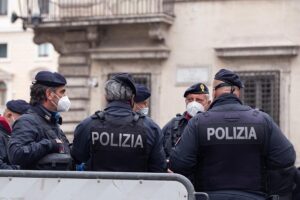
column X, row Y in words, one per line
column 128, row 53
column 266, row 50
column 95, row 21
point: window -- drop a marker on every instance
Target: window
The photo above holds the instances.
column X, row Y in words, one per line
column 44, row 6
column 262, row 91
column 2, row 93
column 44, row 50
column 3, row 7
column 141, row 78
column 3, row 50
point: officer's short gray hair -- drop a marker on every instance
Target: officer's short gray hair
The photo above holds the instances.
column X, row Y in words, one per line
column 116, row 91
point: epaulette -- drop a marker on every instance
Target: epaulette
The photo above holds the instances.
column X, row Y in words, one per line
column 99, row 115
column 137, row 116
column 256, row 112
column 206, row 114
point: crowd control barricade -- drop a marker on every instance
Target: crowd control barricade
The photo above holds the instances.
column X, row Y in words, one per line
column 71, row 185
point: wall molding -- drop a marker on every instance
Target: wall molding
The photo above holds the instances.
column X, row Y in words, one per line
column 247, row 51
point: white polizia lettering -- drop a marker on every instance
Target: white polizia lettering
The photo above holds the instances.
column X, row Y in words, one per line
column 234, row 133
column 118, row 140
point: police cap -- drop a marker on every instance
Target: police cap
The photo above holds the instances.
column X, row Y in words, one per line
column 17, row 106
column 142, row 93
column 50, row 79
column 229, row 77
column 198, row 88
column 125, row 79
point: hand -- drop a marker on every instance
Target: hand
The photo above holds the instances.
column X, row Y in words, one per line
column 58, row 141
column 61, row 148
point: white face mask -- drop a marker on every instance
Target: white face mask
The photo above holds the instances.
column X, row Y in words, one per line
column 63, row 104
column 144, row 111
column 193, row 107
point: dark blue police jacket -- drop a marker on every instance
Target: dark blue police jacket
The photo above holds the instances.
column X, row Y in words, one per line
column 230, row 147
column 4, row 161
column 120, row 112
column 172, row 132
column 33, row 137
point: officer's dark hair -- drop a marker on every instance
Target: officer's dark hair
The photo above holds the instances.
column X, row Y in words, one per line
column 116, row 91
column 38, row 93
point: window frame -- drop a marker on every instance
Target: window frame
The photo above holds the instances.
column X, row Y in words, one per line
column 262, row 80
column 6, row 53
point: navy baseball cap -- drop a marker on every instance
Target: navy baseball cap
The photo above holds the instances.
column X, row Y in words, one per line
column 51, row 79
column 229, row 77
column 142, row 93
column 17, row 106
column 126, row 79
column 198, row 88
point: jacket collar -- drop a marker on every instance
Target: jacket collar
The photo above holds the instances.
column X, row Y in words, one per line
column 225, row 99
column 119, row 104
column 51, row 117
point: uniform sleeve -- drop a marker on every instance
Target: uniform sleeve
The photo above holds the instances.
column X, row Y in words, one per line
column 23, row 147
column 280, row 158
column 167, row 143
column 157, row 158
column 280, row 152
column 183, row 157
column 81, row 143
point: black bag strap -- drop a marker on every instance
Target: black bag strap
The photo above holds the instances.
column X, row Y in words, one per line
column 176, row 121
column 175, row 129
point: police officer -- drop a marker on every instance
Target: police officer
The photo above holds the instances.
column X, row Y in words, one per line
column 37, row 142
column 141, row 99
column 14, row 109
column 296, row 192
column 231, row 147
column 118, row 139
column 196, row 100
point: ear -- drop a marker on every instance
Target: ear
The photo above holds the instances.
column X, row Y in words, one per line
column 209, row 102
column 7, row 114
column 237, row 92
column 49, row 94
column 146, row 103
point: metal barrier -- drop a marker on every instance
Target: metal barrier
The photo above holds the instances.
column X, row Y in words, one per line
column 60, row 10
column 67, row 185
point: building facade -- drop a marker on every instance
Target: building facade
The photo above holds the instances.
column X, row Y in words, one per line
column 20, row 58
column 170, row 44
